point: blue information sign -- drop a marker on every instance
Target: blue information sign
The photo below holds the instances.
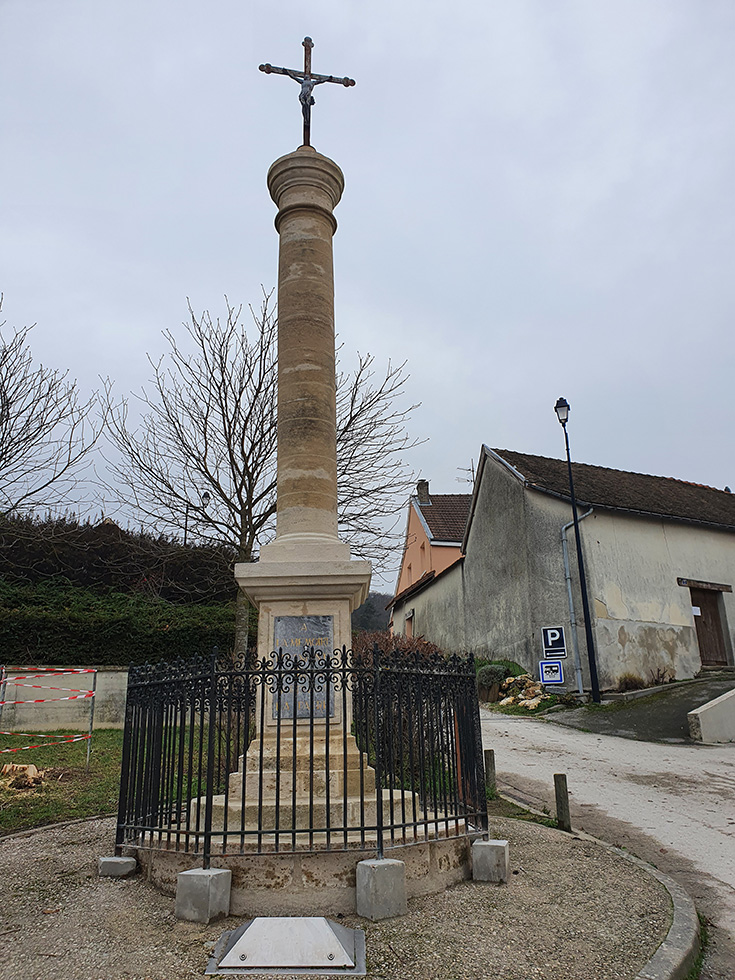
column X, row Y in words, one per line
column 551, row 671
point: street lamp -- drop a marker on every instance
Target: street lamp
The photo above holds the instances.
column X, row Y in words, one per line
column 206, row 498
column 562, row 413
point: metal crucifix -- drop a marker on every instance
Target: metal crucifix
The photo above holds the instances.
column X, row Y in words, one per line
column 307, row 81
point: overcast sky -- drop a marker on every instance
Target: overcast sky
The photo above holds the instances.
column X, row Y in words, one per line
column 538, row 202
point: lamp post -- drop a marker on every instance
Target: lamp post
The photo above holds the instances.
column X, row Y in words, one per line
column 205, row 503
column 562, row 413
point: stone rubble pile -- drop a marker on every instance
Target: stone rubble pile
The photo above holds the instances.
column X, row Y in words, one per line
column 523, row 691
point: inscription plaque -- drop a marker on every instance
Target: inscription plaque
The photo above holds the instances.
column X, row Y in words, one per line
column 294, row 635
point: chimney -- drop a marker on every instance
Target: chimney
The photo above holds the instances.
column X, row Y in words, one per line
column 422, row 489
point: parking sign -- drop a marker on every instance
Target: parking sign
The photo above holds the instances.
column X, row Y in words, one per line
column 554, row 643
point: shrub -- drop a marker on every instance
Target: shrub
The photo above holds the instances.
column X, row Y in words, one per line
column 630, row 682
column 489, row 679
column 363, row 643
column 511, row 668
column 491, row 674
column 660, row 675
column 57, row 623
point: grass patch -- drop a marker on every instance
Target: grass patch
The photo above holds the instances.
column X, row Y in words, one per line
column 703, row 941
column 69, row 791
column 499, row 807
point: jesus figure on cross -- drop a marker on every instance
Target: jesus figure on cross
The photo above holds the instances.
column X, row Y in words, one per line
column 307, row 81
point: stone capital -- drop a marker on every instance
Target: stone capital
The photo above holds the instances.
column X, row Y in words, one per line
column 305, row 180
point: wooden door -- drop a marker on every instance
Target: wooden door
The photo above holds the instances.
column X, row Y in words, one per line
column 709, row 627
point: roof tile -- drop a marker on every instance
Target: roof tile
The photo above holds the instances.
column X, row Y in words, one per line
column 619, row 489
column 446, row 515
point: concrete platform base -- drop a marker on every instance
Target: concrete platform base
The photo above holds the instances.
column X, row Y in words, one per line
column 380, row 889
column 116, row 867
column 318, row 880
column 490, row 859
column 203, row 895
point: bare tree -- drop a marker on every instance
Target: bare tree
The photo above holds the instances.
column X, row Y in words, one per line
column 208, row 430
column 206, row 427
column 46, row 430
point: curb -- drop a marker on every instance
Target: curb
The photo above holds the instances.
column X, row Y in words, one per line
column 678, row 952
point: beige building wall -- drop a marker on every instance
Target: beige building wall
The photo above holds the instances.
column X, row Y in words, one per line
column 643, row 618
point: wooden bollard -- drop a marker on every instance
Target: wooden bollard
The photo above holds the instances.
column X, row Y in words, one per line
column 490, row 789
column 563, row 819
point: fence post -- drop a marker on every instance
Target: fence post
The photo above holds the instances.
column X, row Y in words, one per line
column 91, row 714
column 562, row 802
column 490, row 785
column 122, row 803
column 207, row 855
column 378, row 766
column 3, row 686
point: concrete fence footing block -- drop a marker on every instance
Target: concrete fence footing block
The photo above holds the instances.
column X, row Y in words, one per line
column 202, row 896
column 490, row 860
column 381, row 889
column 116, row 867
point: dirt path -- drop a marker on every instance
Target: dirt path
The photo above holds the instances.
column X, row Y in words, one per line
column 672, row 805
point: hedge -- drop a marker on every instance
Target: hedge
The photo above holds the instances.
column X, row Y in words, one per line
column 55, row 623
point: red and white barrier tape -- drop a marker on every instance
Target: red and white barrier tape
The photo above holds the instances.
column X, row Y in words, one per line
column 74, row 697
column 76, row 693
column 51, row 671
column 49, row 687
column 42, row 745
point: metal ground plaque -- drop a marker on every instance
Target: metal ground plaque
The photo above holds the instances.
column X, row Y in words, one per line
column 294, row 635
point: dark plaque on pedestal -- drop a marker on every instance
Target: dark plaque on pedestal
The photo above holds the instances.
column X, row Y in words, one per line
column 296, row 636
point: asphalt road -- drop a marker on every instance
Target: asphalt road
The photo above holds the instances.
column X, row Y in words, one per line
column 672, row 804
column 658, row 718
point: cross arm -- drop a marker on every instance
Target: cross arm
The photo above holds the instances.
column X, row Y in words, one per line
column 331, row 78
column 271, row 69
column 300, row 75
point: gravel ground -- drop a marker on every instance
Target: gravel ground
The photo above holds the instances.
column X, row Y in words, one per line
column 571, row 911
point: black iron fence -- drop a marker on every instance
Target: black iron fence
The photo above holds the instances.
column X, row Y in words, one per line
column 316, row 751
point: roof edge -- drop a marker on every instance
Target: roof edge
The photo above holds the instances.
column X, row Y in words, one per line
column 485, row 453
column 426, row 579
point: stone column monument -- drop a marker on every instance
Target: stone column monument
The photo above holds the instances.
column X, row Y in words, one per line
column 305, row 586
column 306, row 571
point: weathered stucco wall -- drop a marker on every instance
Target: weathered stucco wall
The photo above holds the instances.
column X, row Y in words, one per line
column 497, row 570
column 438, row 612
column 643, row 618
column 549, row 601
